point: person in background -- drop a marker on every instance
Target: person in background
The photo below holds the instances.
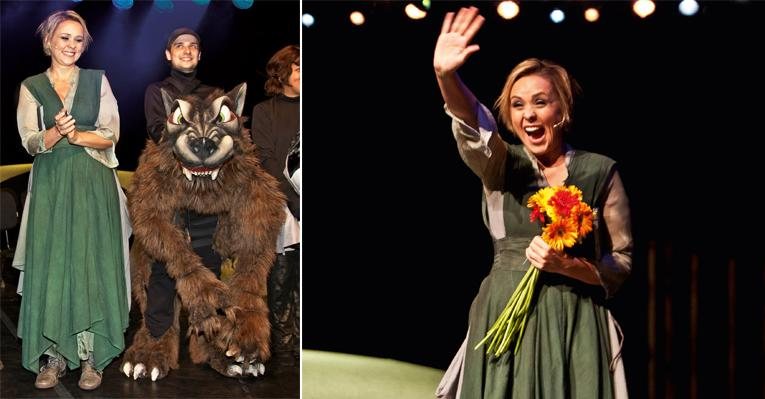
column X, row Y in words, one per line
column 275, row 133
column 566, row 350
column 74, row 308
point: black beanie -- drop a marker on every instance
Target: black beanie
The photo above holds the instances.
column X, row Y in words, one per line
column 181, row 31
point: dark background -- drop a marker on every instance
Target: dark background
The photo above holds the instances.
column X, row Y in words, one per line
column 395, row 248
column 129, row 45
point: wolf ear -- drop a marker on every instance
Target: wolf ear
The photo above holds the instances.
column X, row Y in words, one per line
column 167, row 101
column 237, row 95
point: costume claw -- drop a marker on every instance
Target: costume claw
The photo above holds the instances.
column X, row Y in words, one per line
column 256, row 369
column 139, row 371
column 233, row 370
column 154, row 374
column 127, row 368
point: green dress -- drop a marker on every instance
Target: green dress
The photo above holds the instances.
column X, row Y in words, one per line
column 74, row 269
column 565, row 350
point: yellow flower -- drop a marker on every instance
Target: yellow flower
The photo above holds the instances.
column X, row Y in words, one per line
column 541, row 198
column 560, row 234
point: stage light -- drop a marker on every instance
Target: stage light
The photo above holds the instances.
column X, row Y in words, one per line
column 123, row 4
column 307, row 20
column 243, row 4
column 357, row 18
column 688, row 7
column 591, row 14
column 413, row 12
column 202, row 2
column 426, row 4
column 163, row 5
column 557, row 16
column 643, row 8
column 508, row 9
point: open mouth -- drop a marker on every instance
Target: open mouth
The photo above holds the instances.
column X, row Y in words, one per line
column 536, row 133
column 200, row 171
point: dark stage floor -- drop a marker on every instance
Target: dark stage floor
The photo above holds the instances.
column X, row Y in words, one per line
column 189, row 381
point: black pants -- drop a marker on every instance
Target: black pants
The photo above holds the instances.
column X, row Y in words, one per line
column 284, row 301
column 160, row 293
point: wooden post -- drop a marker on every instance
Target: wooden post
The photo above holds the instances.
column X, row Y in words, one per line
column 694, row 316
column 651, row 320
column 669, row 382
column 732, row 329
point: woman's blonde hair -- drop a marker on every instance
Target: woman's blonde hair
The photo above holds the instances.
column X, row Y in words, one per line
column 562, row 84
column 50, row 24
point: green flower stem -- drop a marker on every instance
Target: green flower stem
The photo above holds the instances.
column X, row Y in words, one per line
column 511, row 323
column 535, row 276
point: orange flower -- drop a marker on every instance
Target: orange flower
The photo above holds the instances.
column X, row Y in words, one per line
column 583, row 214
column 560, row 234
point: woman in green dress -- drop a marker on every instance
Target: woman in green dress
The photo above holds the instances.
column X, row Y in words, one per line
column 74, row 308
column 570, row 347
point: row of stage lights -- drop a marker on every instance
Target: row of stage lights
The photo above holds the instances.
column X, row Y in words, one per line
column 166, row 5
column 509, row 9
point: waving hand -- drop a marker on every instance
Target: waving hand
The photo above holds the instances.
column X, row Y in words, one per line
column 453, row 46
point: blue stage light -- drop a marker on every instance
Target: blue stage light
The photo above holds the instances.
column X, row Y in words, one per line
column 243, row 4
column 123, row 4
column 163, row 5
column 202, row 2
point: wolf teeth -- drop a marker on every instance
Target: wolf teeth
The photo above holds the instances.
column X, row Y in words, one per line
column 188, row 173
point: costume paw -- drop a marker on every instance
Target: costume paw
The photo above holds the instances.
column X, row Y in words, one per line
column 246, row 339
column 150, row 357
column 209, row 306
column 242, row 368
column 142, row 364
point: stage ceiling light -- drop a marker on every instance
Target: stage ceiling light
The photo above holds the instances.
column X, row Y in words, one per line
column 413, row 12
column 307, row 20
column 123, row 4
column 243, row 4
column 688, row 7
column 557, row 16
column 163, row 5
column 643, row 8
column 357, row 18
column 508, row 9
column 591, row 14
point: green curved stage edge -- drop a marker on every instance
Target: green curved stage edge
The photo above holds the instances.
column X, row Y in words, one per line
column 328, row 375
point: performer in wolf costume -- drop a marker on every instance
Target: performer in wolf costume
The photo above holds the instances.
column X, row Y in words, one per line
column 205, row 163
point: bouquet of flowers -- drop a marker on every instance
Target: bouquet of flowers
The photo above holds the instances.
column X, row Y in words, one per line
column 567, row 220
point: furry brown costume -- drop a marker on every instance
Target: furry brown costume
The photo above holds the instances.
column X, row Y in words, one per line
column 205, row 162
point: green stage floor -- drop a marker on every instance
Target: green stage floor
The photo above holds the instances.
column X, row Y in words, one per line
column 328, row 375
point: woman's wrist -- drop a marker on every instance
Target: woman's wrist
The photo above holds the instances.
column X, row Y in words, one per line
column 73, row 137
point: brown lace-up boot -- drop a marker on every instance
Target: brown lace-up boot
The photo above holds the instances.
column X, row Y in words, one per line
column 90, row 378
column 53, row 369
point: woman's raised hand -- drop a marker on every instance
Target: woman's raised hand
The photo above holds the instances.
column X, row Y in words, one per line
column 453, row 46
